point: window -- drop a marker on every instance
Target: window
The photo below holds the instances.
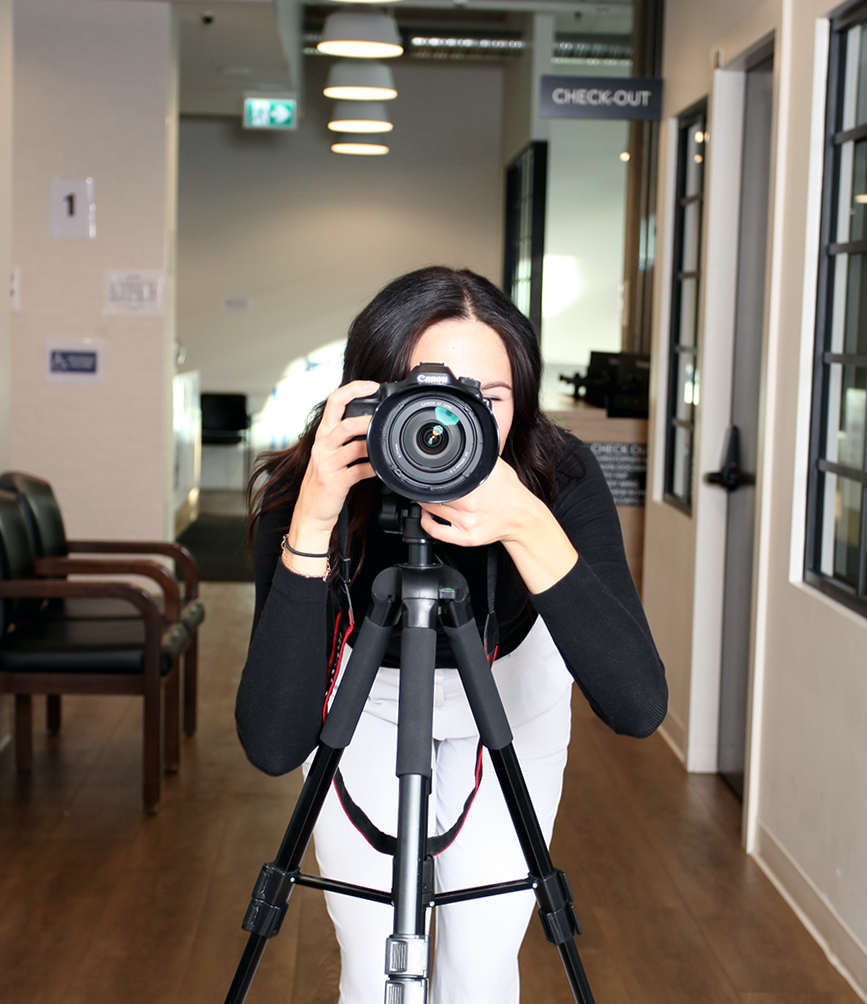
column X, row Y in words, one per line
column 683, row 382
column 526, row 183
column 836, row 559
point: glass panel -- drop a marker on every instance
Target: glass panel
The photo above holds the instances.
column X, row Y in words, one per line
column 688, row 312
column 854, row 106
column 685, row 388
column 693, row 167
column 847, row 526
column 691, row 237
column 681, row 478
column 838, row 275
column 861, row 104
column 827, row 497
column 847, row 407
column 845, row 205
column 855, row 339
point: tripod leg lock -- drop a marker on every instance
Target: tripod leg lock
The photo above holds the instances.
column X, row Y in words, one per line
column 555, row 908
column 407, row 961
column 270, row 899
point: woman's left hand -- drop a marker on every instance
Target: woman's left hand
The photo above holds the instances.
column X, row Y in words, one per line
column 503, row 509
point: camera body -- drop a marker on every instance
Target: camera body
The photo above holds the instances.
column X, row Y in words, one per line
column 432, row 435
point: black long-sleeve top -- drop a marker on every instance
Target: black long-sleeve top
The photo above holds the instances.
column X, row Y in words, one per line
column 593, row 614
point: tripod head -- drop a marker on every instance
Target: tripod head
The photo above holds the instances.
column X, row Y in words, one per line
column 399, row 515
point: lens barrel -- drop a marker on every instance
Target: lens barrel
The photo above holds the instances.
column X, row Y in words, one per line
column 433, row 444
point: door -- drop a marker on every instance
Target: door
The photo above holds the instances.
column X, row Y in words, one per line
column 740, row 460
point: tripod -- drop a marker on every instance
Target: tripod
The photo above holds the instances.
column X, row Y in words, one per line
column 422, row 593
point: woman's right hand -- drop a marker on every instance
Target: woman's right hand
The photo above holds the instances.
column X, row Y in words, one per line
column 339, row 443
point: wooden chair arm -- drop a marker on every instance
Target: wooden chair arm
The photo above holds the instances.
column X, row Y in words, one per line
column 50, row 589
column 54, row 567
column 182, row 557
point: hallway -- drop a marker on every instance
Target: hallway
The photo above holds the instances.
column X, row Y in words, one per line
column 102, row 905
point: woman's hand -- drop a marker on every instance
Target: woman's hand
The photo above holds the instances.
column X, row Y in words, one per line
column 502, row 509
column 338, row 460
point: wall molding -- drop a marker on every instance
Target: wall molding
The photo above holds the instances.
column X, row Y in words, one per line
column 845, row 952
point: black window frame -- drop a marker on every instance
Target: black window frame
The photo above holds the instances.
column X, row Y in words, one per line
column 679, row 349
column 524, row 245
column 851, row 595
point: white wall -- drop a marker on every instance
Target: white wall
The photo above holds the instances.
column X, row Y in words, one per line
column 5, row 241
column 95, row 97
column 5, row 220
column 310, row 236
column 585, row 217
column 806, row 818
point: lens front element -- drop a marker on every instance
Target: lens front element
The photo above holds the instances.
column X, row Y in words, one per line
column 432, row 438
column 432, row 445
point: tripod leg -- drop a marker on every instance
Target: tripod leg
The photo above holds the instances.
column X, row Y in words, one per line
column 408, row 948
column 550, row 885
column 277, row 879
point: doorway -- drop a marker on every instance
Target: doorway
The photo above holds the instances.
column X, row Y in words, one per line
column 741, row 451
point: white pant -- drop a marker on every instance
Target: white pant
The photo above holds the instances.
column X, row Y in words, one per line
column 477, row 942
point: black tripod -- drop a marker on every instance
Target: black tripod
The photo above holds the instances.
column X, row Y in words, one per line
column 422, row 592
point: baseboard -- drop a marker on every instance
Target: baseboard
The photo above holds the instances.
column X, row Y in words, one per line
column 844, row 950
column 673, row 732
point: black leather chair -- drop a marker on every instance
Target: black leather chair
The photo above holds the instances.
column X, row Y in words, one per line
column 44, row 654
column 57, row 556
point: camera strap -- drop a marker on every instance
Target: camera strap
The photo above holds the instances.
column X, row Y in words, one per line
column 382, row 842
column 492, row 629
column 387, row 844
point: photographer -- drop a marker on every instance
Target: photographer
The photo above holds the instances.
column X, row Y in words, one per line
column 561, row 590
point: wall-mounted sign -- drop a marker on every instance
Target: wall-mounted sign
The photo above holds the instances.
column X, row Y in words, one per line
column 133, row 293
column 271, row 111
column 71, row 209
column 237, row 304
column 625, row 468
column 74, row 362
column 637, row 98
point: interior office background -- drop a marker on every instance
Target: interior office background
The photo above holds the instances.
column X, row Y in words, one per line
column 92, row 87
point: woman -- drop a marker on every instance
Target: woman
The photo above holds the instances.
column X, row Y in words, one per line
column 564, row 599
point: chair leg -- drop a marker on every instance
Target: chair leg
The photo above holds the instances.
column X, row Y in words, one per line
column 151, row 753
column 24, row 732
column 191, row 685
column 52, row 714
column 172, row 720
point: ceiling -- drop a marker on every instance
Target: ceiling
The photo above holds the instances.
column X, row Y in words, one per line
column 228, row 47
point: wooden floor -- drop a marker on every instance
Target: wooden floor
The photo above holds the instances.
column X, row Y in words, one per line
column 103, row 905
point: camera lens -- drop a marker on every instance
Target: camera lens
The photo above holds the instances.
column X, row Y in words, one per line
column 432, row 443
column 432, row 439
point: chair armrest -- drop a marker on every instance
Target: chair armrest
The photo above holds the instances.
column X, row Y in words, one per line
column 54, row 567
column 51, row 589
column 183, row 559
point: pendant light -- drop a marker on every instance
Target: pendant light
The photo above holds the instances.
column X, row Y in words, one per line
column 360, row 34
column 360, row 146
column 359, row 116
column 360, row 80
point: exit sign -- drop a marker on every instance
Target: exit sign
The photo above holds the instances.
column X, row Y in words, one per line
column 271, row 112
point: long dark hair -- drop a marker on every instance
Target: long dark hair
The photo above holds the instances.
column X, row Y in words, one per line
column 379, row 347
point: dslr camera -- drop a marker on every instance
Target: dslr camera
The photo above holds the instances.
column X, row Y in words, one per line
column 432, row 436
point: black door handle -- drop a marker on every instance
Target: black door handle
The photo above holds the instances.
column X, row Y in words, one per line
column 731, row 477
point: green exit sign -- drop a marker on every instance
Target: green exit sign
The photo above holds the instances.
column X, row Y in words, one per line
column 271, row 112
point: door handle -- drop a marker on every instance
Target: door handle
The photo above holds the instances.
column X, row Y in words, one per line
column 731, row 477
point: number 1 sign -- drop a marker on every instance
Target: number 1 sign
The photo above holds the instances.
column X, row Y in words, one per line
column 71, row 209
